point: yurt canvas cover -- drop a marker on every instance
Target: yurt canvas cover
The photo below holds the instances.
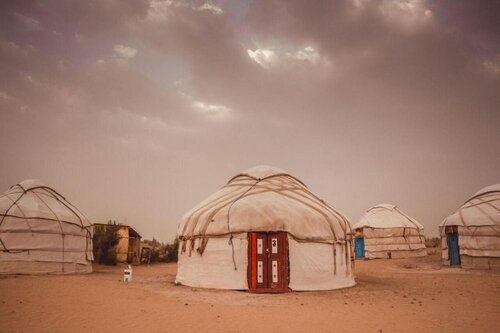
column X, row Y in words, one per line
column 389, row 233
column 475, row 227
column 41, row 232
column 214, row 236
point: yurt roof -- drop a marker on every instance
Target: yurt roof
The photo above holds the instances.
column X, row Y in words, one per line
column 32, row 199
column 385, row 216
column 482, row 209
column 265, row 199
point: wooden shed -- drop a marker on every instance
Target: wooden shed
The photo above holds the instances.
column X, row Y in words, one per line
column 129, row 244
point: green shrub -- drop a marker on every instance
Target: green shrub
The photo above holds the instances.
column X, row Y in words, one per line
column 105, row 240
column 161, row 252
column 171, row 251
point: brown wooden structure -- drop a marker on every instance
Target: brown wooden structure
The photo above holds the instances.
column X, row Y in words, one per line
column 268, row 262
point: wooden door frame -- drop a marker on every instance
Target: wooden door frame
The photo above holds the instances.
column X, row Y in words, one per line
column 283, row 266
column 356, row 247
column 450, row 254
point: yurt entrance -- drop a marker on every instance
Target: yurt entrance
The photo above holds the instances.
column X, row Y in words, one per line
column 453, row 249
column 267, row 262
column 360, row 247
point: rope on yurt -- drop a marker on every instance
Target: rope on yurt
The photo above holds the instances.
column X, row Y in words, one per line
column 334, row 258
column 218, row 209
column 227, row 202
column 10, row 207
column 485, row 213
column 60, row 225
column 26, row 218
column 191, row 246
column 462, row 217
column 325, row 216
column 183, row 245
column 14, row 203
column 64, row 203
column 340, row 218
column 3, row 217
column 484, row 194
column 54, row 195
column 5, row 249
column 77, row 213
column 192, row 220
column 203, row 245
column 321, row 204
column 337, row 214
column 408, row 218
column 222, row 201
column 228, row 224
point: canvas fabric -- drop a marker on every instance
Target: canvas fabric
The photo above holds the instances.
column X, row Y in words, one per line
column 215, row 268
column 388, row 232
column 386, row 216
column 475, row 262
column 263, row 199
column 43, row 267
column 312, row 265
column 477, row 222
column 37, row 224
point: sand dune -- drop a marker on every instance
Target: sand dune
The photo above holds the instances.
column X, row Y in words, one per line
column 399, row 295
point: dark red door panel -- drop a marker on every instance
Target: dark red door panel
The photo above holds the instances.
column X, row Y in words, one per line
column 268, row 262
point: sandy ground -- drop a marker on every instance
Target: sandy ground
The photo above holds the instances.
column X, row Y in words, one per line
column 403, row 295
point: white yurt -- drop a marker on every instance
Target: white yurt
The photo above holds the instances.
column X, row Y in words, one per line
column 41, row 232
column 470, row 237
column 265, row 231
column 385, row 231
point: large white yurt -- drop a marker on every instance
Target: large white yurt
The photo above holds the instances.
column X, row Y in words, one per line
column 265, row 231
column 470, row 237
column 41, row 232
column 385, row 231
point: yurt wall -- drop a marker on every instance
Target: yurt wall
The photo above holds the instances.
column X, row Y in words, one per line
column 41, row 232
column 470, row 237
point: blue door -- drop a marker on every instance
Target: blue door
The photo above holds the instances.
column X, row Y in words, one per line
column 453, row 250
column 360, row 247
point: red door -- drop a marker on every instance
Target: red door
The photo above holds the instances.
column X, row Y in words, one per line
column 267, row 262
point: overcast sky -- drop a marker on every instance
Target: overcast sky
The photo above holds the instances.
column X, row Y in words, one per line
column 137, row 110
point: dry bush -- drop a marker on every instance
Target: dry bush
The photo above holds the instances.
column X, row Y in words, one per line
column 432, row 242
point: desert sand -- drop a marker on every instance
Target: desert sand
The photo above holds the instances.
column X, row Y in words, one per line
column 398, row 295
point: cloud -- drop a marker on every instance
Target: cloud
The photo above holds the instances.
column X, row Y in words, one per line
column 211, row 7
column 28, row 22
column 268, row 58
column 308, row 54
column 409, row 13
column 160, row 10
column 211, row 109
column 493, row 65
column 263, row 57
column 125, row 52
